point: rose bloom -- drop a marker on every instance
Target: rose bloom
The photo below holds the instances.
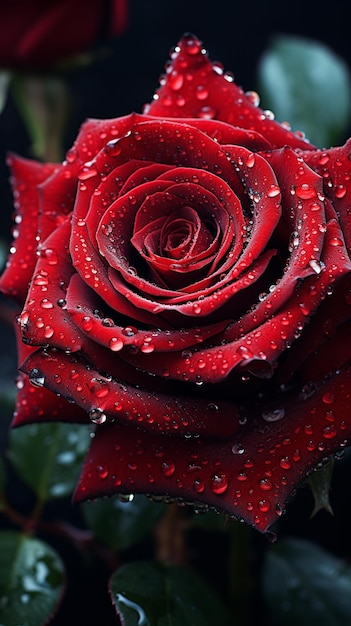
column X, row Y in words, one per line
column 37, row 34
column 184, row 278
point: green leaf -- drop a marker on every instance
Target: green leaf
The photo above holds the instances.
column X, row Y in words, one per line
column 2, row 481
column 303, row 584
column 122, row 524
column 319, row 482
column 48, row 457
column 31, row 580
column 305, row 83
column 4, row 84
column 151, row 594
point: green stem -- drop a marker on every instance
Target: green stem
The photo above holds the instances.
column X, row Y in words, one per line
column 43, row 103
column 240, row 572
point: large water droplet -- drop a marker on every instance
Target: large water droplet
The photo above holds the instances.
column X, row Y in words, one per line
column 36, row 378
column 219, row 483
column 97, row 416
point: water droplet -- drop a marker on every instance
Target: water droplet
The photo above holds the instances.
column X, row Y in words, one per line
column 284, row 462
column 253, row 97
column 317, row 266
column 237, row 448
column 219, row 483
column 97, row 416
column 273, row 415
column 273, row 191
column 335, row 241
column 305, row 192
column 98, row 387
column 102, row 471
column 201, row 92
column 175, row 80
column 115, row 344
column 36, row 378
column 328, row 398
column 199, row 486
column 340, row 191
column 125, row 497
column 168, row 468
column 264, row 506
column 207, row 112
column 265, row 484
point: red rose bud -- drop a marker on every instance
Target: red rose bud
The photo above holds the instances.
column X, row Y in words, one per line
column 36, row 35
column 184, row 278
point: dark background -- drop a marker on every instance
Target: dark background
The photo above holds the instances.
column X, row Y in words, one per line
column 124, row 79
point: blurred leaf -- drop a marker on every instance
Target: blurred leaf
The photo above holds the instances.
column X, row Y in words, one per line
column 31, row 580
column 212, row 521
column 4, row 246
column 4, row 84
column 319, row 482
column 303, row 584
column 43, row 103
column 151, row 594
column 48, row 457
column 122, row 524
column 305, row 83
column 2, row 480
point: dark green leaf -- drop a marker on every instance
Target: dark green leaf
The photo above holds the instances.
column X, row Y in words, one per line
column 319, row 482
column 303, row 584
column 31, row 580
column 2, row 481
column 4, row 83
column 305, row 83
column 48, row 457
column 122, row 524
column 150, row 594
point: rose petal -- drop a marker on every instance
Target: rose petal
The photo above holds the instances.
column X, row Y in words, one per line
column 210, row 93
column 249, row 477
column 103, row 396
column 26, row 176
column 85, row 310
column 44, row 318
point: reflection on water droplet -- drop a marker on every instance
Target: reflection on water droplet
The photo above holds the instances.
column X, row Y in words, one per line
column 36, row 378
column 273, row 415
column 219, row 483
column 237, row 448
column 168, row 468
column 125, row 497
column 102, row 471
column 142, row 617
column 97, row 416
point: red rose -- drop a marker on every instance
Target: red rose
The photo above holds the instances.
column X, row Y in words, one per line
column 189, row 293
column 36, row 34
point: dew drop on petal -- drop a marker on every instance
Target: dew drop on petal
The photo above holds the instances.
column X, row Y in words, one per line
column 36, row 378
column 238, row 448
column 168, row 468
column 115, row 344
column 265, row 484
column 219, row 483
column 102, row 471
column 273, row 415
column 97, row 416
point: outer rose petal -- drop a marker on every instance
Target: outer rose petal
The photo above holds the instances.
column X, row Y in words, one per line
column 212, row 94
column 103, row 395
column 249, row 477
column 35, row 403
column 26, row 176
column 44, row 319
column 335, row 168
